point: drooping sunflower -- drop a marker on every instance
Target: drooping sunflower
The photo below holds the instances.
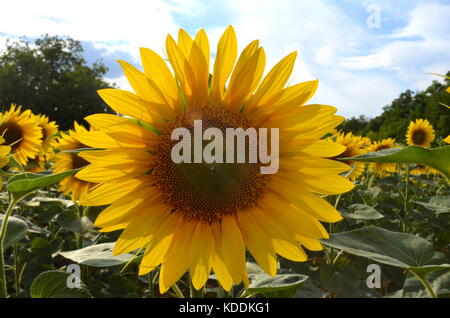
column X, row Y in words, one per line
column 420, row 133
column 64, row 161
column 202, row 216
column 21, row 133
column 382, row 169
column 354, row 147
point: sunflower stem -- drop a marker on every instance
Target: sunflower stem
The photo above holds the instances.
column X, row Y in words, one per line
column 17, row 270
column 405, row 199
column 3, row 287
column 177, row 291
column 425, row 283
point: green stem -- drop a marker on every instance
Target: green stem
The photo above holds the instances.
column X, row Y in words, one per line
column 177, row 291
column 425, row 283
column 330, row 230
column 3, row 287
column 151, row 285
column 17, row 269
column 405, row 201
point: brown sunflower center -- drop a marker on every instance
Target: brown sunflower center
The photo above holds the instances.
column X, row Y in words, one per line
column 12, row 133
column 382, row 147
column 207, row 190
column 77, row 161
column 418, row 137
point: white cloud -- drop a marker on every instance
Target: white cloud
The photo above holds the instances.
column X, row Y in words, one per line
column 359, row 70
column 412, row 51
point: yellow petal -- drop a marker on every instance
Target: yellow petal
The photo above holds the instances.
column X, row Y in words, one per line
column 202, row 250
column 258, row 241
column 223, row 65
column 109, row 192
column 273, row 81
column 159, row 243
column 157, row 70
column 222, row 273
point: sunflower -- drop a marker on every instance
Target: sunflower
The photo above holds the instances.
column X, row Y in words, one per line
column 4, row 152
column 202, row 216
column 354, row 147
column 21, row 132
column 49, row 133
column 64, row 161
column 382, row 169
column 418, row 170
column 447, row 140
column 420, row 133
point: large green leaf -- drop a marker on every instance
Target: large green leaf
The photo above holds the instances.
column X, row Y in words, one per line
column 99, row 255
column 24, row 183
column 438, row 158
column 359, row 211
column 391, row 248
column 284, row 284
column 16, row 230
column 54, row 284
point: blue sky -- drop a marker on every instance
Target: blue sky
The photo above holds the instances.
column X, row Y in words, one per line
column 360, row 68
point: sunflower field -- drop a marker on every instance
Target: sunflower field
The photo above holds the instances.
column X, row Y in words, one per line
column 103, row 211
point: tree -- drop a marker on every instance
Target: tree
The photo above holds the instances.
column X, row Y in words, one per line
column 409, row 106
column 51, row 77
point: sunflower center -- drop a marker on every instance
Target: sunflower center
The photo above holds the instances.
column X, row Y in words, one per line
column 207, row 190
column 382, row 147
column 77, row 161
column 12, row 133
column 418, row 137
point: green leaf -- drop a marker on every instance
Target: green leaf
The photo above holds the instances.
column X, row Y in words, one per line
column 15, row 231
column 99, row 255
column 24, row 183
column 309, row 290
column 391, row 248
column 284, row 284
column 438, row 204
column 362, row 212
column 437, row 158
column 54, row 284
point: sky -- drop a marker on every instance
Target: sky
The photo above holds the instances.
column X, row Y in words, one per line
column 364, row 53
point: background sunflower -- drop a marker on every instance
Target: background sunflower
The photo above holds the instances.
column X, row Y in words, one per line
column 420, row 133
column 382, row 169
column 21, row 132
column 64, row 161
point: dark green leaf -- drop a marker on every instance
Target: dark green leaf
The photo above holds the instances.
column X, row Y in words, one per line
column 54, row 284
column 362, row 212
column 15, row 231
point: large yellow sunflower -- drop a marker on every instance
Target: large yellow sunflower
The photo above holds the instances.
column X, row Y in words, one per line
column 20, row 131
column 64, row 161
column 420, row 133
column 382, row 169
column 354, row 147
column 202, row 216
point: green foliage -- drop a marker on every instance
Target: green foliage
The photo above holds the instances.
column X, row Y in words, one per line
column 409, row 106
column 50, row 76
column 53, row 284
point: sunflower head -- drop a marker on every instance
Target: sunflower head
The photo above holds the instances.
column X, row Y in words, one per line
column 354, row 147
column 201, row 215
column 4, row 152
column 64, row 161
column 21, row 133
column 49, row 133
column 420, row 133
column 382, row 169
